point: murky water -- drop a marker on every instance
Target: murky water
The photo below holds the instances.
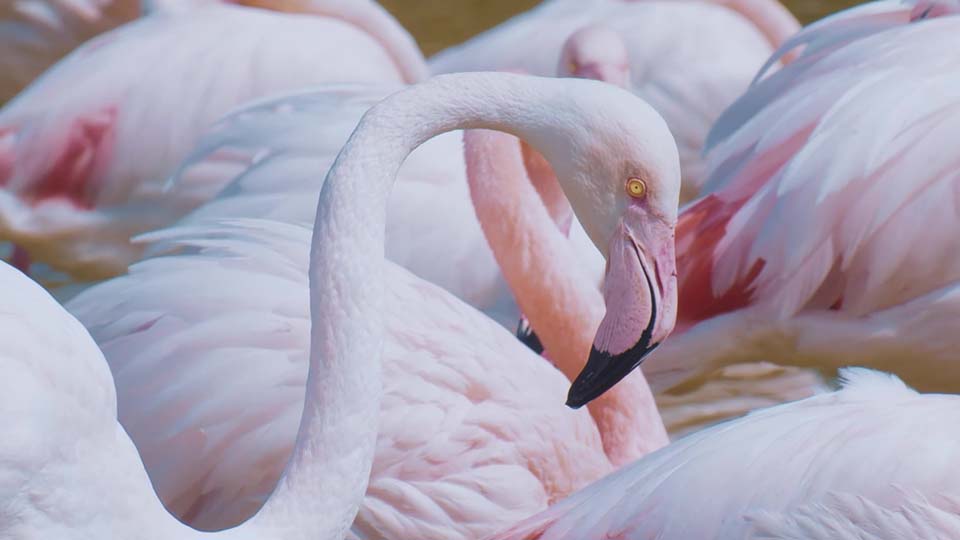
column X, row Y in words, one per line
column 440, row 23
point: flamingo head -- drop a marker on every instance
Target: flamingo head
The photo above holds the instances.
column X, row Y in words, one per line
column 596, row 52
column 620, row 169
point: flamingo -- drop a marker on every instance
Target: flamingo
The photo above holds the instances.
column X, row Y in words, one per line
column 869, row 461
column 34, row 34
column 464, row 450
column 689, row 59
column 86, row 149
column 821, row 242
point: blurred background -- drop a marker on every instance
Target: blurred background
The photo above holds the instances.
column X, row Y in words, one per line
column 440, row 23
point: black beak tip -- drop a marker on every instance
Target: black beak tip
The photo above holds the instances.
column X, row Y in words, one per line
column 575, row 402
column 603, row 371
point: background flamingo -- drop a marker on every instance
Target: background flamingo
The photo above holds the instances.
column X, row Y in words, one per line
column 171, row 352
column 689, row 60
column 84, row 151
column 868, row 461
column 34, row 34
column 811, row 249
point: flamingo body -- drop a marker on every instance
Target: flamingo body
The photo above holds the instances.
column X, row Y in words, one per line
column 59, row 396
column 868, row 461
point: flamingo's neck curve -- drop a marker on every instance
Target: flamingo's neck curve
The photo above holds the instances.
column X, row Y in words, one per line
column 324, row 483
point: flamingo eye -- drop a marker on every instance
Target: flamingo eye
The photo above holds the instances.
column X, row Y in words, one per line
column 636, row 188
column 573, row 67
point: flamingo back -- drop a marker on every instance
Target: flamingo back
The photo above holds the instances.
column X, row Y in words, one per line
column 824, row 175
column 474, row 435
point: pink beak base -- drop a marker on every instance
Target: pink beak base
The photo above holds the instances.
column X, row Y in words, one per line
column 641, row 297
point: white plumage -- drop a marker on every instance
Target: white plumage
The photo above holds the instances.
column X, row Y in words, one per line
column 851, row 464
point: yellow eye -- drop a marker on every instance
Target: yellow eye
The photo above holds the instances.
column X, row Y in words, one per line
column 573, row 67
column 636, row 188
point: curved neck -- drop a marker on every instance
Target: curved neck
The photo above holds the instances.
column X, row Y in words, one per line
column 323, row 485
column 562, row 303
column 368, row 16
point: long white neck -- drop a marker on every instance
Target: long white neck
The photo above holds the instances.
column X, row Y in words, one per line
column 325, row 480
column 367, row 15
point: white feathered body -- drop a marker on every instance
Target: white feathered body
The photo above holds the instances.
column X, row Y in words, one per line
column 209, row 351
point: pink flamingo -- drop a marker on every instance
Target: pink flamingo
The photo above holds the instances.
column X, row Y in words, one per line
column 466, row 448
column 689, row 59
column 867, row 461
column 86, row 149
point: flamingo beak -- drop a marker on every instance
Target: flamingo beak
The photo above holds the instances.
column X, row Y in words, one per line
column 640, row 291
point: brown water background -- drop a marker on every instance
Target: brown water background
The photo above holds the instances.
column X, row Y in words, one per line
column 440, row 23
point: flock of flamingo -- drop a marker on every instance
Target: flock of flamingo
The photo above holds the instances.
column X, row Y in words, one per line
column 271, row 274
